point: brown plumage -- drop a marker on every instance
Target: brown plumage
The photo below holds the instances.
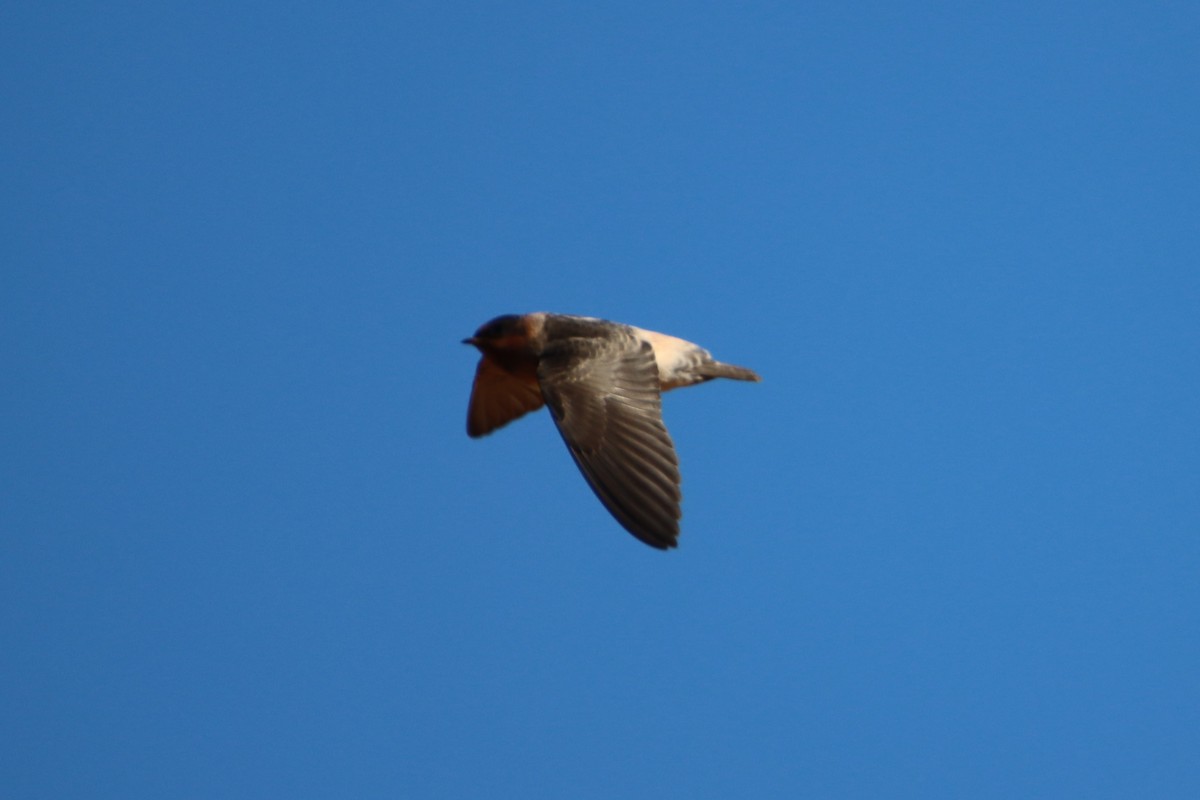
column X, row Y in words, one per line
column 602, row 382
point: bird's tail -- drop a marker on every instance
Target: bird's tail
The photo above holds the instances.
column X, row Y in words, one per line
column 717, row 369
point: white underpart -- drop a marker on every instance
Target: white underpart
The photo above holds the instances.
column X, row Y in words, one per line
column 676, row 358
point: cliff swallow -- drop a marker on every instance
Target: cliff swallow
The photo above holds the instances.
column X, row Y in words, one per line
column 602, row 382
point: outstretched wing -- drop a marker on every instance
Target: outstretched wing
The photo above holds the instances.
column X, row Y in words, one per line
column 498, row 397
column 604, row 396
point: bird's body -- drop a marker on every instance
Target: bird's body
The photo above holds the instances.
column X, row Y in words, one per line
column 602, row 382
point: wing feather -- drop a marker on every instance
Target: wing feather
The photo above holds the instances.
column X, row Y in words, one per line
column 603, row 394
column 498, row 397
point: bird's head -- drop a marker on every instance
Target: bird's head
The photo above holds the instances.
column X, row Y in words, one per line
column 502, row 333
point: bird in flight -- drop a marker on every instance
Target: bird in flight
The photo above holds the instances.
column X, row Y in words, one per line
column 603, row 383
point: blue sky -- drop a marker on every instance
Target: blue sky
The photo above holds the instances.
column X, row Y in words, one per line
column 948, row 548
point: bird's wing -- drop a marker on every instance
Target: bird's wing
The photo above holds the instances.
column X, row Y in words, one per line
column 498, row 397
column 604, row 396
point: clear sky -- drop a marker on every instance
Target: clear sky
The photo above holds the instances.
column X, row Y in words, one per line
column 949, row 547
